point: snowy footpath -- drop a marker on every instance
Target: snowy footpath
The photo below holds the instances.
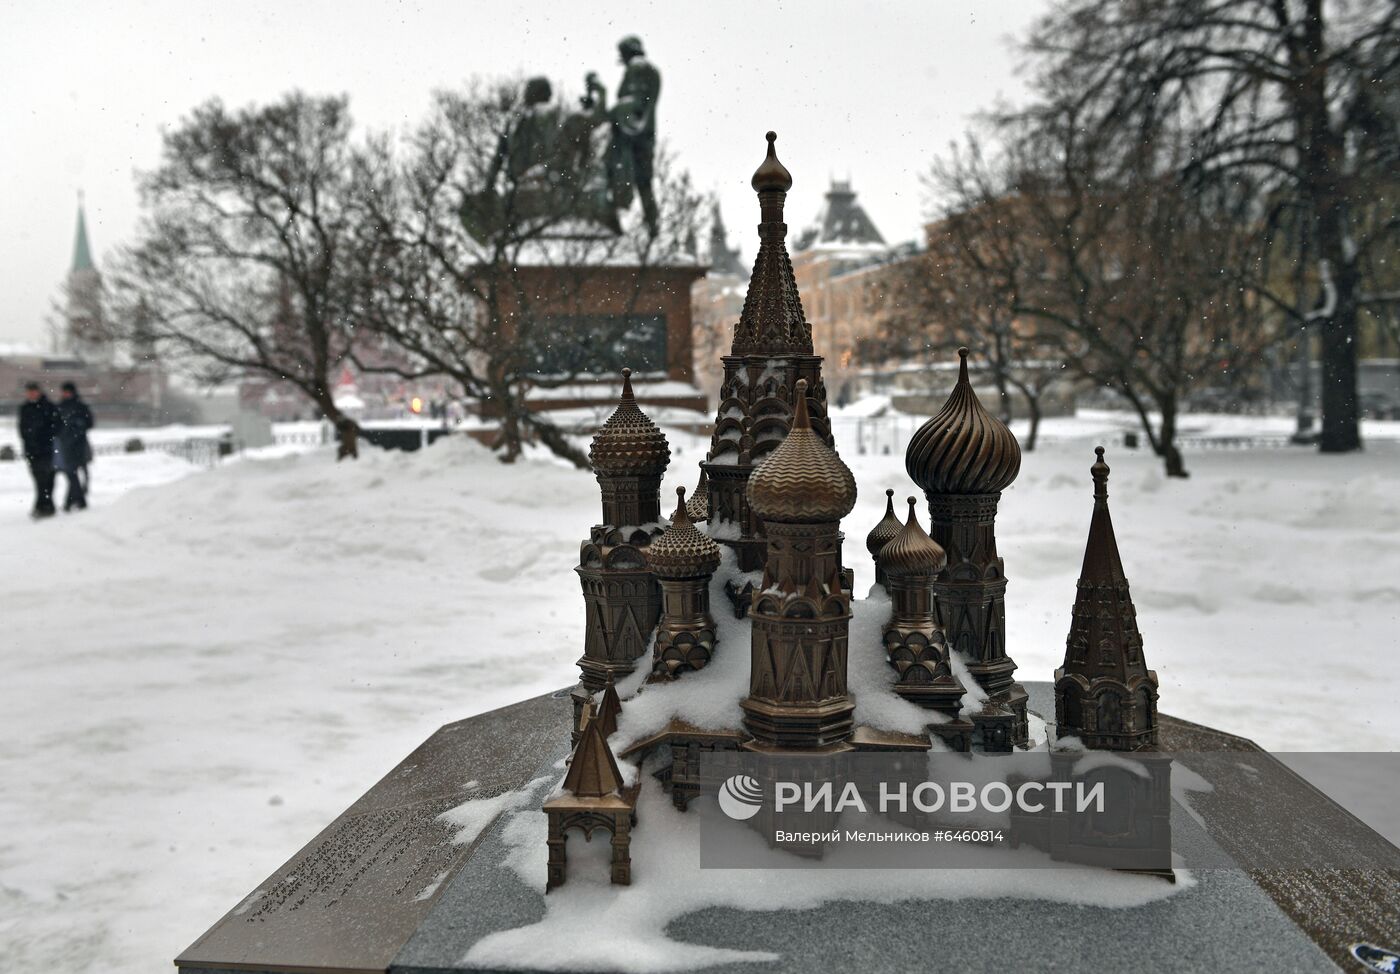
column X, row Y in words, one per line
column 202, row 672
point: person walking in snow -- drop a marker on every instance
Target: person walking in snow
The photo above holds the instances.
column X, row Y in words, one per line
column 74, row 451
column 39, row 425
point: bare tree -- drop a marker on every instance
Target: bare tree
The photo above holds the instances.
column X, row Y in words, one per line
column 1295, row 97
column 1106, row 261
column 492, row 259
column 244, row 264
column 963, row 290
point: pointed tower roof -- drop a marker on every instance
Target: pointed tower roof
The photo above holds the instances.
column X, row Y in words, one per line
column 1104, row 640
column 723, row 259
column 82, row 253
column 593, row 770
column 772, row 322
column 842, row 222
column 609, row 710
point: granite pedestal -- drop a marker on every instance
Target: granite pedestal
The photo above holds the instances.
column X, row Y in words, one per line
column 385, row 888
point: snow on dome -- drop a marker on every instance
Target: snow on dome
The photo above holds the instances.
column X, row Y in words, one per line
column 803, row 480
column 963, row 449
column 629, row 444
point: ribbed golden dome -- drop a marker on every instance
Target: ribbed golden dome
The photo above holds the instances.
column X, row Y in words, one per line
column 803, row 480
column 682, row 551
column 885, row 530
column 629, row 444
column 912, row 552
column 963, row 449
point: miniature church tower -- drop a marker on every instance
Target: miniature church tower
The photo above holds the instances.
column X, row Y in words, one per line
column 914, row 643
column 1104, row 693
column 683, row 560
column 593, row 797
column 629, row 456
column 771, row 353
column 964, row 457
column 801, row 615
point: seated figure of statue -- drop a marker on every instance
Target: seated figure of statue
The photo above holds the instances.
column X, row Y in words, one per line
column 551, row 176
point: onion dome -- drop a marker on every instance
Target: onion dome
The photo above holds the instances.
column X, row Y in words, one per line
column 913, row 552
column 629, row 444
column 803, row 481
column 771, row 176
column 682, row 551
column 963, row 449
column 698, row 507
column 884, row 532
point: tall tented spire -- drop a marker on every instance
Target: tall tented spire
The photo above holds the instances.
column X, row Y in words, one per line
column 82, row 253
column 772, row 351
column 1104, row 692
column 772, row 321
column 723, row 258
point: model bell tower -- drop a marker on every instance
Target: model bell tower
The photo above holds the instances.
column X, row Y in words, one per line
column 964, row 457
column 771, row 353
column 1104, row 693
column 801, row 614
column 629, row 455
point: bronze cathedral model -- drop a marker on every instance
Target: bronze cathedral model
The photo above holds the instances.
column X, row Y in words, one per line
column 774, row 490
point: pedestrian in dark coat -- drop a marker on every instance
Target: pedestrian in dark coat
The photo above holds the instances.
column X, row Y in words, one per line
column 74, row 452
column 39, row 425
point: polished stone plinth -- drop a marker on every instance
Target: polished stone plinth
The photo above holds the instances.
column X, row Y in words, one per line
column 385, row 888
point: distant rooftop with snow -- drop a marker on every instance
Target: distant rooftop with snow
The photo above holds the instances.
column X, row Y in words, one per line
column 841, row 224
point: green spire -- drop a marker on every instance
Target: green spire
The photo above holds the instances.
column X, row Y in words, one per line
column 82, row 256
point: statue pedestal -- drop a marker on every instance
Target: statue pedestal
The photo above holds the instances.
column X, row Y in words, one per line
column 384, row 887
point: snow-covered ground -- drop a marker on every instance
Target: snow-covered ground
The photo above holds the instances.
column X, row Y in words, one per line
column 202, row 672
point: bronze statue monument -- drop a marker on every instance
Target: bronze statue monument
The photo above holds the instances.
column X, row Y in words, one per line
column 556, row 183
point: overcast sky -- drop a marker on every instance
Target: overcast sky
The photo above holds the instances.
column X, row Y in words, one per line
column 872, row 90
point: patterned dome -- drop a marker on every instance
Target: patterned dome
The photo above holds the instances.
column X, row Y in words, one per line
column 803, row 481
column 629, row 444
column 913, row 552
column 884, row 532
column 698, row 507
column 682, row 551
column 963, row 449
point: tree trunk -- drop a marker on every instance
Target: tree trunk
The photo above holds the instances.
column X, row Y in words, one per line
column 1341, row 419
column 1003, row 396
column 1166, row 443
column 346, row 429
column 1322, row 161
column 348, row 439
column 1033, row 413
column 1162, row 440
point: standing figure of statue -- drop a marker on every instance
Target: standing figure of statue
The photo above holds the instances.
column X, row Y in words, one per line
column 632, row 145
